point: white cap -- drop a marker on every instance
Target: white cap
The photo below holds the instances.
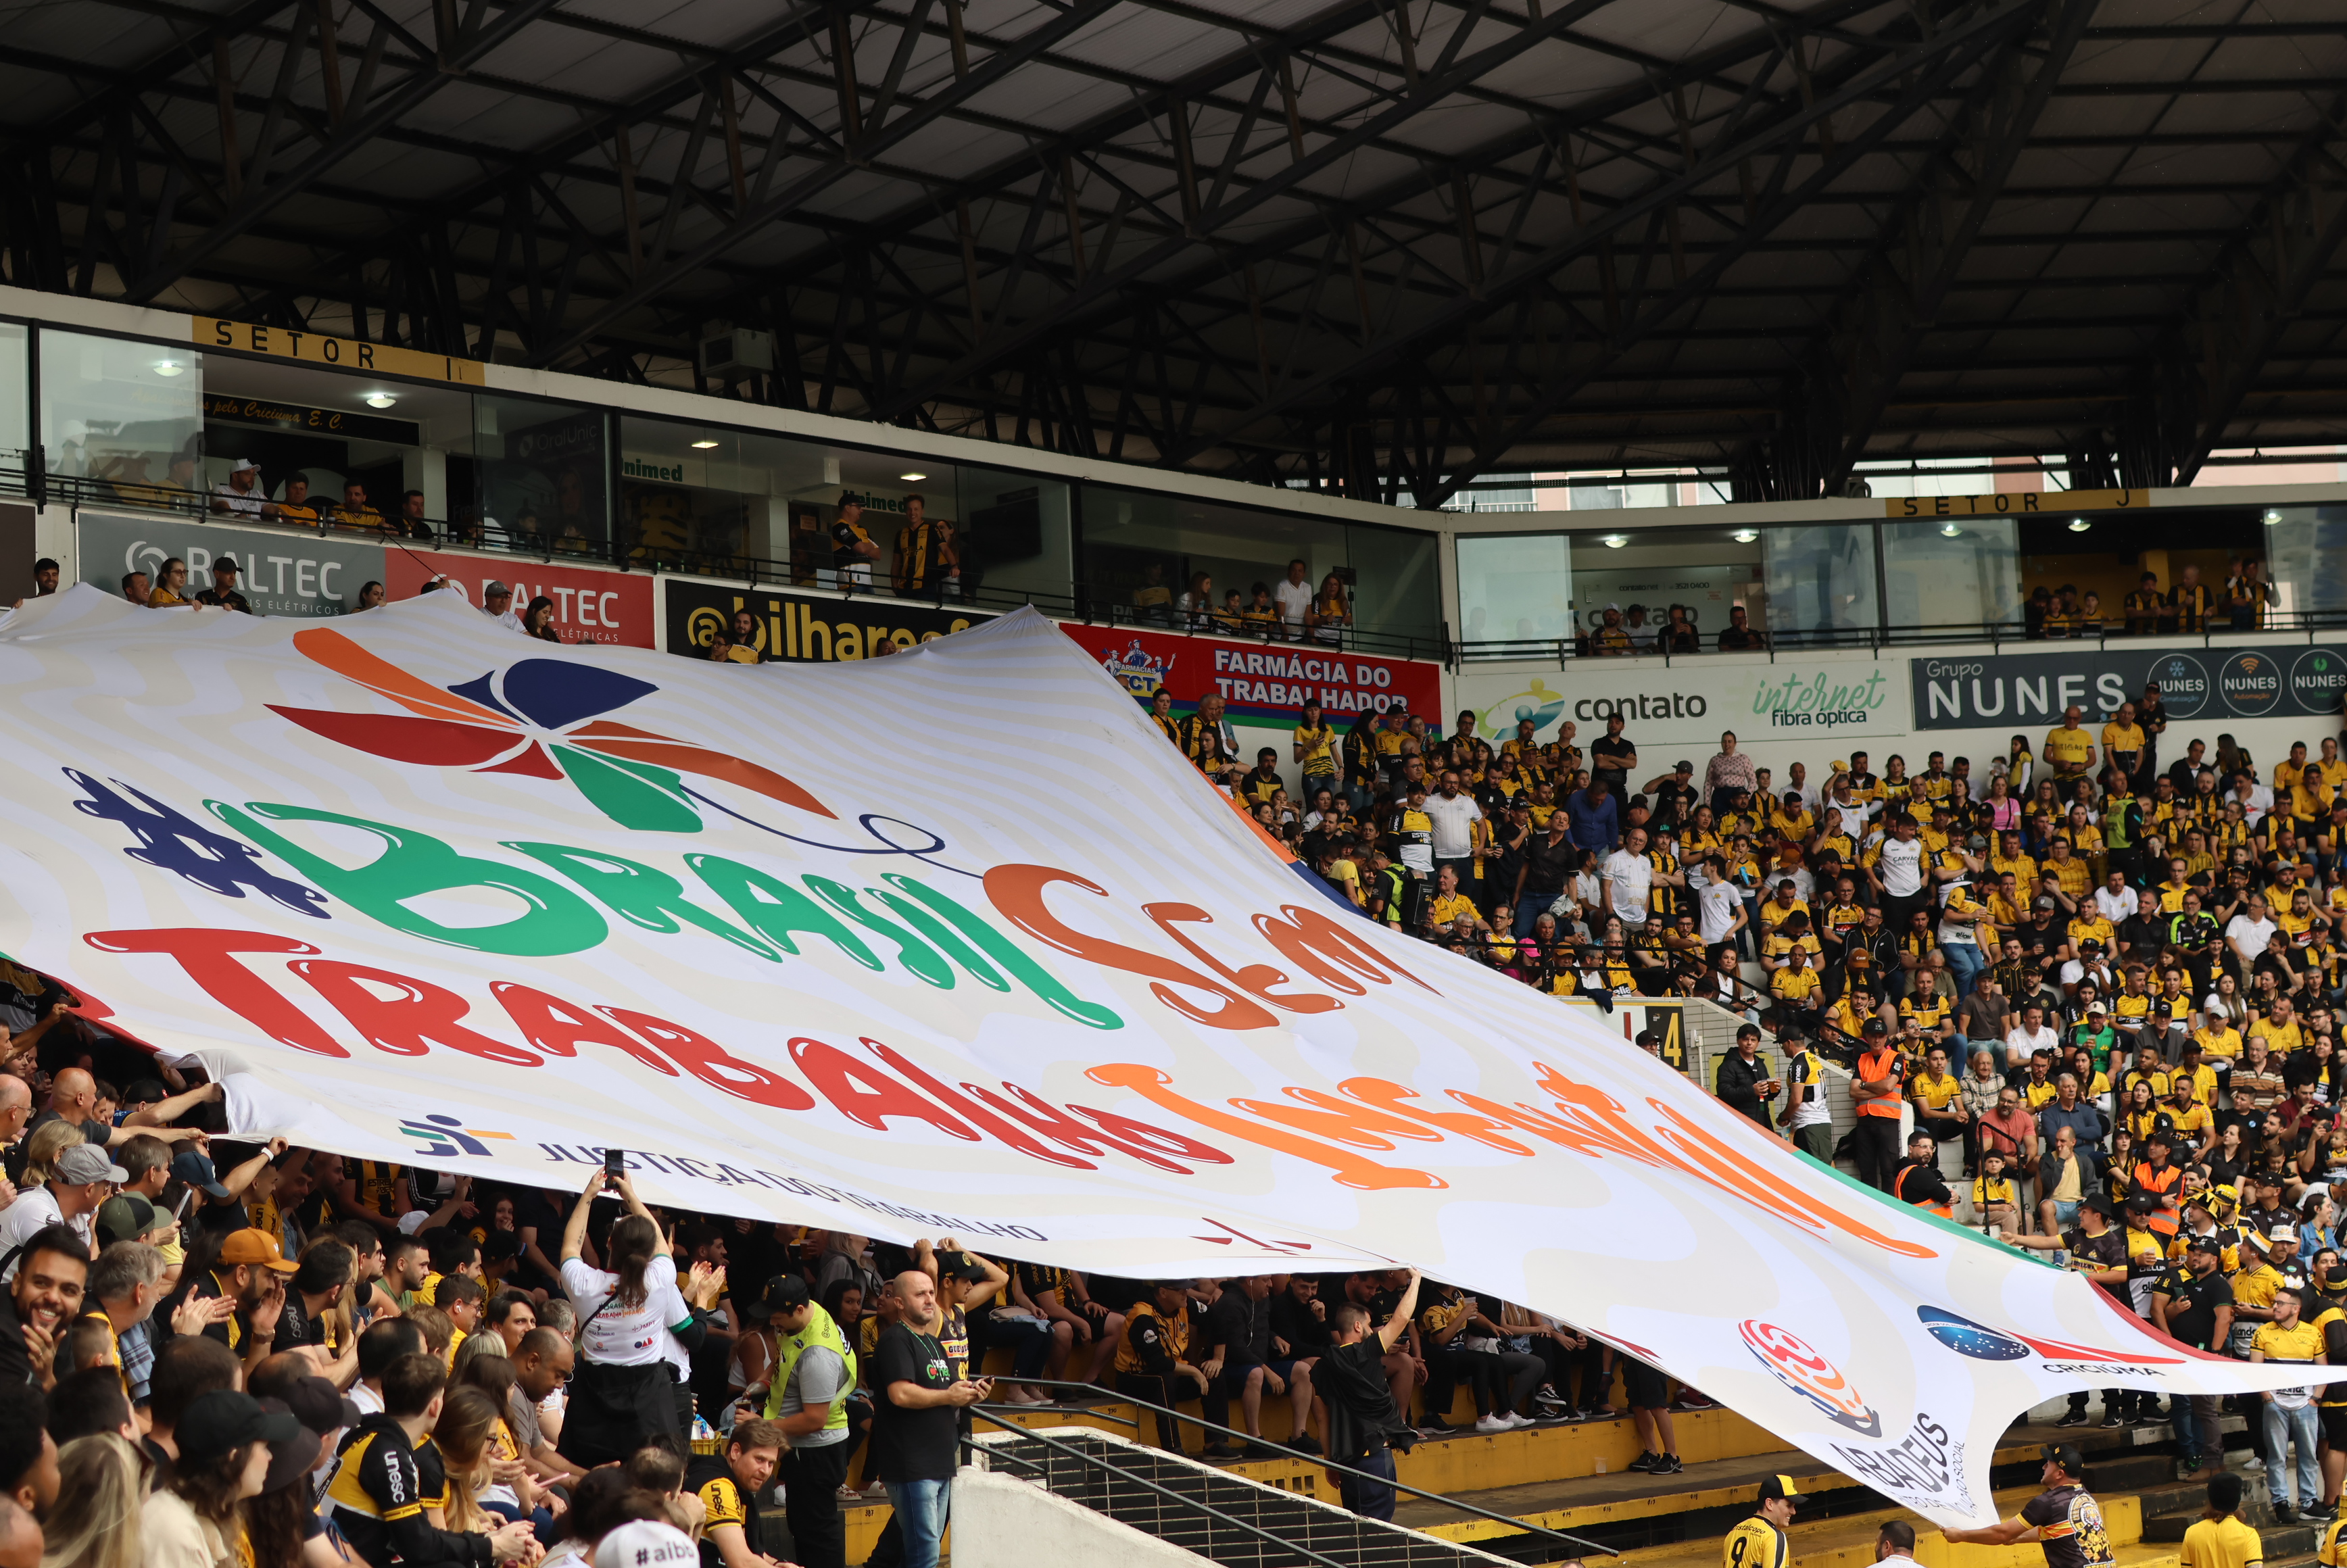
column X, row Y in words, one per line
column 647, row 1544
column 245, row 466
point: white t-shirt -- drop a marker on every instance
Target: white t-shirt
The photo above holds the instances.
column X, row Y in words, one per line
column 1454, row 823
column 2019, row 1042
column 1294, row 599
column 30, row 1215
column 1715, row 907
column 237, row 500
column 368, row 1401
column 2119, row 905
column 1901, row 867
column 2249, row 938
column 615, row 1337
column 1631, row 876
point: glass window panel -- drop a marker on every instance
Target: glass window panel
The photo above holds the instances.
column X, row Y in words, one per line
column 1396, row 589
column 540, row 476
column 16, row 401
column 1960, row 571
column 120, row 415
column 1013, row 533
column 1514, row 587
column 1704, row 573
column 1142, row 551
column 1819, row 578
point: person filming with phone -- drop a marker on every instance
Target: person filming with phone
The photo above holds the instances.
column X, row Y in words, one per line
column 916, row 1427
column 627, row 1391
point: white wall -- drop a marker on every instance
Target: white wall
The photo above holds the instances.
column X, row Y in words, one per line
column 1002, row 1522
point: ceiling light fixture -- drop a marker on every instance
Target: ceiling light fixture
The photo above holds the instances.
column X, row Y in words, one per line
column 702, row 445
column 380, row 400
column 2272, row 518
column 2079, row 525
column 1950, row 530
column 1744, row 536
column 1615, row 541
column 912, row 479
column 169, row 367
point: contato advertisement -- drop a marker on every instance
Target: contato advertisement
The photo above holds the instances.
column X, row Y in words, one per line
column 280, row 571
column 1977, row 691
column 801, row 628
column 589, row 606
column 1268, row 680
column 1692, row 702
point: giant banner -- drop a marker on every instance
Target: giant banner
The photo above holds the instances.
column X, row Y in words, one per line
column 835, row 944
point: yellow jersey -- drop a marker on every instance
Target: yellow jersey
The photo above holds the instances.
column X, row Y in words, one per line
column 1755, row 1543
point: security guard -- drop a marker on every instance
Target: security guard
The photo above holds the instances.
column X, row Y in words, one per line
column 806, row 1398
column 1918, row 1182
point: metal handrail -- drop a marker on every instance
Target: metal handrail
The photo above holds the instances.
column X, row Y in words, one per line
column 2308, row 623
column 1326, row 1463
column 1201, row 1504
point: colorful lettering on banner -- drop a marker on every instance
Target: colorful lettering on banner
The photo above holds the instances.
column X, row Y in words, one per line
column 612, row 607
column 1261, row 679
column 946, row 944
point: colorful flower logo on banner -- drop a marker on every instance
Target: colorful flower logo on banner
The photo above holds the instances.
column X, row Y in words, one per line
column 1809, row 1375
column 540, row 718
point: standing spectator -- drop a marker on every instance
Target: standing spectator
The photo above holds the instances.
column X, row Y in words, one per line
column 2289, row 1415
column 1727, row 771
column 1743, row 1082
column 1612, row 758
column 1809, row 1120
column 1363, row 1418
column 2064, row 1516
column 2193, row 1303
column 623, row 1396
column 1593, row 818
column 1458, row 827
column 2070, row 749
column 1876, row 1092
column 1294, row 597
column 853, row 550
column 915, row 1425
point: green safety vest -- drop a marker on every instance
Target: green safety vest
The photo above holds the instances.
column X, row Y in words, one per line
column 788, row 1347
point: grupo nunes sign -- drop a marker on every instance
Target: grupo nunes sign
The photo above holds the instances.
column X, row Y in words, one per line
column 1261, row 679
column 2265, row 682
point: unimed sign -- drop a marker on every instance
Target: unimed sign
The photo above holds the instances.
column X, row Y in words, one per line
column 2268, row 683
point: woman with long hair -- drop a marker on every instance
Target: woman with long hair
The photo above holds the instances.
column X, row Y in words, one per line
column 467, row 1419
column 48, row 1141
column 2225, row 1007
column 281, row 1525
column 537, row 620
column 1331, row 612
column 2002, row 811
column 195, row 1520
column 509, row 1494
column 623, row 1394
column 101, row 1487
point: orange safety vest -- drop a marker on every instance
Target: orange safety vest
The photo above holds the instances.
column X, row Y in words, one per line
column 1899, row 1188
column 1877, row 1064
column 2147, row 1180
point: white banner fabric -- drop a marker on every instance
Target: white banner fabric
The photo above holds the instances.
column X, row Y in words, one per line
column 946, row 942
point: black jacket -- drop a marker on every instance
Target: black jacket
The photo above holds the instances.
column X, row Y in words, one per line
column 1736, row 1084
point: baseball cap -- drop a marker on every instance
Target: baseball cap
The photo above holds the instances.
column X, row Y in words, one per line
column 225, row 1420
column 318, row 1406
column 1777, row 1486
column 2043, row 903
column 254, row 1247
column 1876, row 1026
column 195, row 1170
column 493, row 587
column 2064, row 1454
column 127, row 1216
column 2288, row 1233
column 647, row 1544
column 2091, row 945
column 244, row 465
column 84, row 1163
column 961, row 1265
column 784, row 1293
column 290, row 1457
column 1682, row 767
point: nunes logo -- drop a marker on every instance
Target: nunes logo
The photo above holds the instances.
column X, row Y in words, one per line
column 1809, row 1375
column 442, row 1137
column 1982, row 1343
column 2250, row 684
column 1137, row 670
column 540, row 718
column 2318, row 680
column 2183, row 684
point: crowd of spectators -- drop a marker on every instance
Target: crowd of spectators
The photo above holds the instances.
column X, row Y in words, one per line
column 1289, row 611
column 215, row 1353
column 2240, row 604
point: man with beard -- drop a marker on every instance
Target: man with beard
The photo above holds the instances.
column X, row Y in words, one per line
column 44, row 1297
column 249, row 1270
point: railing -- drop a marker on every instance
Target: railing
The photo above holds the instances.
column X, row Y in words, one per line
column 1773, row 644
column 1080, row 603
column 1163, row 1413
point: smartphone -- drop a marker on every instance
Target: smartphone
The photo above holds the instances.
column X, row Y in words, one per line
column 615, row 1164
